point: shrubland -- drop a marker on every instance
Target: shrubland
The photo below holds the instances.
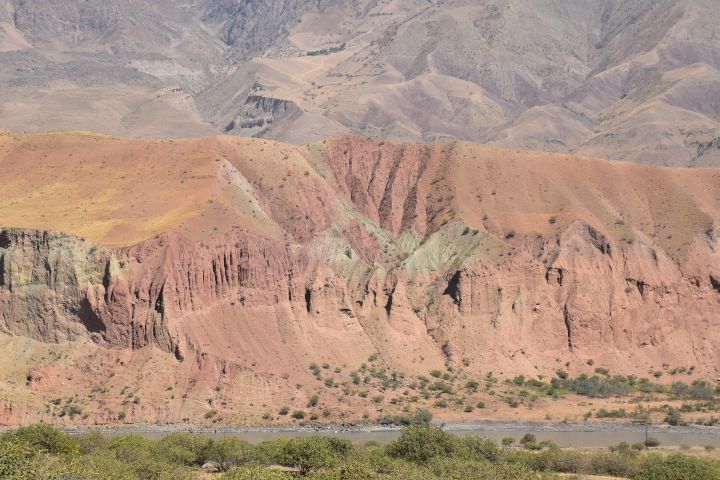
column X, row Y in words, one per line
column 420, row 452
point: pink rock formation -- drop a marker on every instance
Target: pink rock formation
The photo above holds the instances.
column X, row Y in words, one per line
column 454, row 253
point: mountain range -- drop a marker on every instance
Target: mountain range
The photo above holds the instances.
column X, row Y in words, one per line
column 614, row 79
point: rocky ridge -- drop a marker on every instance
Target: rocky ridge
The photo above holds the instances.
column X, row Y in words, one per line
column 454, row 254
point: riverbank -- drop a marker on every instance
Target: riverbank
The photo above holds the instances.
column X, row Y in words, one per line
column 478, row 426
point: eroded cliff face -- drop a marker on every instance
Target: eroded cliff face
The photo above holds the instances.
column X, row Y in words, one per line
column 448, row 254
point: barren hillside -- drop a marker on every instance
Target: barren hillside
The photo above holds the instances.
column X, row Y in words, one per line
column 183, row 272
column 607, row 78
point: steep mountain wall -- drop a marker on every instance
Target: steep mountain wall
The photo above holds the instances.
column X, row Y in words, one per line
column 427, row 255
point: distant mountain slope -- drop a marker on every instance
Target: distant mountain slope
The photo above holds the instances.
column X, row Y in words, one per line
column 609, row 78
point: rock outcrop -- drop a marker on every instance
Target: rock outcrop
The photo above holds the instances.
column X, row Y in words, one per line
column 425, row 255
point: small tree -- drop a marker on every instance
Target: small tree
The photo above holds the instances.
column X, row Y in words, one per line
column 226, row 453
column 313, row 453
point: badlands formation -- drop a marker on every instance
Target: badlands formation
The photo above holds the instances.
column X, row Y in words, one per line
column 162, row 280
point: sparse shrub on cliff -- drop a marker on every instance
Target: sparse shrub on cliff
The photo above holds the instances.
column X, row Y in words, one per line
column 700, row 390
column 592, row 386
column 619, row 413
column 420, row 417
column 441, row 387
column 674, row 417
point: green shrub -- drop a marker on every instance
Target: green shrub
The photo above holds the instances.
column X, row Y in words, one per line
column 481, row 448
column 100, row 466
column 255, row 473
column 351, row 470
column 18, row 459
column 46, row 438
column 556, row 460
column 420, row 443
column 612, row 464
column 267, row 453
column 312, row 453
column 182, row 448
column 226, row 453
column 92, row 441
column 676, row 467
column 420, row 417
column 674, row 417
column 652, row 442
column 459, row 468
column 528, row 438
column 131, row 448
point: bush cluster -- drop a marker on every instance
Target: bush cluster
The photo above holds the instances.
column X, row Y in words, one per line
column 422, row 452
